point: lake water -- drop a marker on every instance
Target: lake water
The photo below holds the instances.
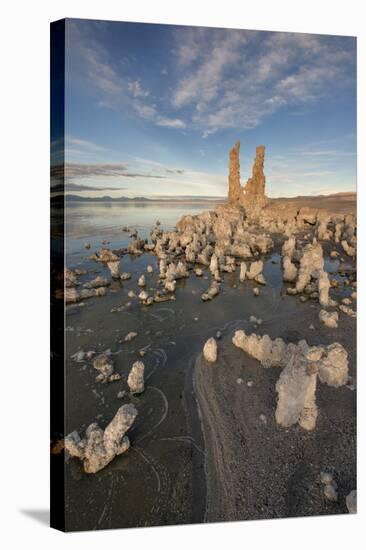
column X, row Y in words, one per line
column 160, row 480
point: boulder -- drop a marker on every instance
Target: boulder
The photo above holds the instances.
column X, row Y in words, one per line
column 210, row 350
column 329, row 319
column 255, row 269
column 135, row 379
column 243, row 270
column 97, row 282
column 98, row 448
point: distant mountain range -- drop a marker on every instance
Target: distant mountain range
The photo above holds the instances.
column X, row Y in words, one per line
column 58, row 199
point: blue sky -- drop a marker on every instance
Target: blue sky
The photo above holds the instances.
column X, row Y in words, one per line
column 152, row 109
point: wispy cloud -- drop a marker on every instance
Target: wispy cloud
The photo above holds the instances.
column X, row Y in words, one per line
column 174, row 171
column 92, row 67
column 328, row 153
column 237, row 78
column 111, row 170
column 220, row 78
column 170, row 122
column 74, row 170
column 85, row 144
column 137, row 90
column 77, row 187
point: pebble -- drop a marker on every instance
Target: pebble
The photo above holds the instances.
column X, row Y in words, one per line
column 130, row 336
column 255, row 320
column 351, row 502
column 330, row 486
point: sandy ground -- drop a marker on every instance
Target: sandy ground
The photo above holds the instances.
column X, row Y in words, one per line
column 254, row 468
column 339, row 203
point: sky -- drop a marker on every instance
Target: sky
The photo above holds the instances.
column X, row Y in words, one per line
column 152, row 110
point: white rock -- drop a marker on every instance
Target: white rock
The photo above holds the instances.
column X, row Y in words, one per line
column 347, row 310
column 323, row 289
column 311, row 263
column 351, row 502
column 289, row 270
column 210, row 350
column 130, row 336
column 349, row 250
column 330, row 493
column 260, row 279
column 170, row 285
column 333, row 368
column 114, row 268
column 296, row 394
column 301, row 365
column 329, row 319
column 263, row 418
column 243, row 270
column 99, row 447
column 213, row 263
column 255, row 269
column 135, row 379
column 326, row 478
column 211, row 292
column 97, row 282
column 288, row 247
column 104, row 365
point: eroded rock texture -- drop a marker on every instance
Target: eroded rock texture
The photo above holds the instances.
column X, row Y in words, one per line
column 254, row 190
column 235, row 189
column 98, row 448
column 302, row 365
column 251, row 197
column 210, row 350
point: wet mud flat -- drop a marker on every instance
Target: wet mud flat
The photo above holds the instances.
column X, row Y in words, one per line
column 199, row 451
column 161, row 479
